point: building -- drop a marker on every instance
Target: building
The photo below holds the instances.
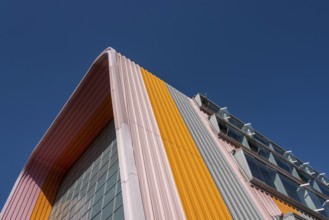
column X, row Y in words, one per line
column 126, row 145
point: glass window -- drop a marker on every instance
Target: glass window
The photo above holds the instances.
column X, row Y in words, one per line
column 103, row 170
column 113, row 169
column 114, row 159
column 304, row 177
column 222, row 128
column 118, row 201
column 290, row 187
column 111, row 181
column 101, row 181
column 268, row 174
column 114, row 151
column 254, row 167
column 109, row 196
column 317, row 200
column 96, row 208
column 92, row 181
column 234, row 121
column 261, row 139
column 235, row 134
column 315, row 186
column 211, row 106
column 108, row 210
column 261, row 172
column 259, row 149
column 278, row 149
column 118, row 214
column 324, row 180
column 253, row 146
column 264, row 153
column 283, row 164
column 324, row 189
column 99, row 193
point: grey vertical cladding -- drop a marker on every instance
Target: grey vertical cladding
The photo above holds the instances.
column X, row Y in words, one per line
column 237, row 201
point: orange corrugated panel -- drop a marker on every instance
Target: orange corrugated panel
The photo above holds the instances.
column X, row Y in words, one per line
column 198, row 192
column 284, row 207
column 47, row 194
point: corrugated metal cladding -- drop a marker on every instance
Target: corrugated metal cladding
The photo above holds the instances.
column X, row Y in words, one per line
column 266, row 201
column 170, row 163
column 158, row 190
column 238, row 202
column 260, row 199
column 274, row 206
column 198, row 192
column 284, row 207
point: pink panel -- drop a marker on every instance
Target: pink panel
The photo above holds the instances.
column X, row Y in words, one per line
column 142, row 167
column 226, row 149
column 158, row 189
column 267, row 202
column 118, row 97
column 34, row 188
column 132, row 200
column 25, row 195
column 8, row 209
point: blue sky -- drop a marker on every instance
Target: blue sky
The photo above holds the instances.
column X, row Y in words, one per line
column 267, row 61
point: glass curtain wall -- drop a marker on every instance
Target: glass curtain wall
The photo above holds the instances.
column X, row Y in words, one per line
column 92, row 188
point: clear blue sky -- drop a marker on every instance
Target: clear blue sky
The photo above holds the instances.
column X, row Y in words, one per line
column 267, row 61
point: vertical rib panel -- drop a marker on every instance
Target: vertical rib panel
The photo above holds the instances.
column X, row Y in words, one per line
column 238, row 201
column 37, row 212
column 36, row 173
column 23, row 184
column 31, row 197
column 158, row 190
column 266, row 201
column 47, row 194
column 132, row 199
column 26, row 193
column 198, row 192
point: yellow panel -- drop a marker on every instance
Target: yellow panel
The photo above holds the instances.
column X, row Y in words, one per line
column 46, row 197
column 284, row 207
column 41, row 204
column 198, row 192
